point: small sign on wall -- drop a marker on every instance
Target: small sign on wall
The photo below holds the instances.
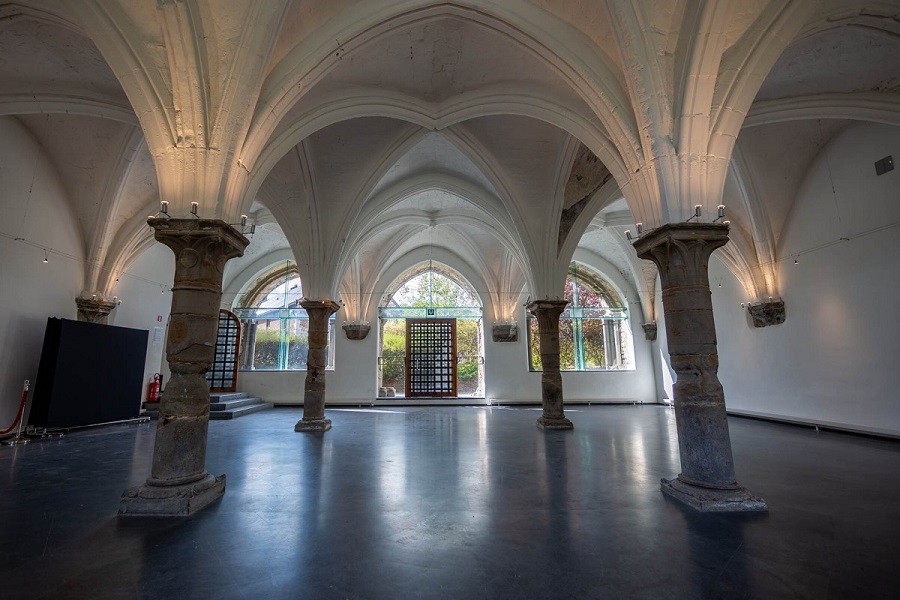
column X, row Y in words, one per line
column 157, row 335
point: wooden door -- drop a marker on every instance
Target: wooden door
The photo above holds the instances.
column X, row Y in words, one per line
column 222, row 375
column 430, row 358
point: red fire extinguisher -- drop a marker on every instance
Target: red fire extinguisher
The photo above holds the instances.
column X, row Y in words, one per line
column 153, row 388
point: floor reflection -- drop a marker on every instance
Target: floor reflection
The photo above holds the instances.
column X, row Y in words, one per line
column 452, row 502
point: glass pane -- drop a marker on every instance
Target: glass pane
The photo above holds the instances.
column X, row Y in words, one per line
column 534, row 348
column 570, row 291
column 467, row 349
column 267, row 344
column 432, row 288
column 588, row 297
column 409, row 312
column 280, row 343
column 297, row 343
column 393, row 354
column 567, row 344
column 592, row 331
column 282, row 294
column 329, row 359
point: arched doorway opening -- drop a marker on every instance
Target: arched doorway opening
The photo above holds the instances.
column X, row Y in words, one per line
column 430, row 317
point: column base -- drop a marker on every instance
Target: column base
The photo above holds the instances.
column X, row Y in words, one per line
column 313, row 425
column 171, row 501
column 713, row 500
column 554, row 423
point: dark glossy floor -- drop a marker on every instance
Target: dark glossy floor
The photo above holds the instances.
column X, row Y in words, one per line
column 454, row 503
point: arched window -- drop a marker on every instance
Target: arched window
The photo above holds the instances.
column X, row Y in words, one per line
column 432, row 290
column 594, row 333
column 275, row 328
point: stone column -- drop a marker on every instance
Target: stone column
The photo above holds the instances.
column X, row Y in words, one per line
column 314, row 390
column 547, row 314
column 94, row 310
column 179, row 484
column 707, row 482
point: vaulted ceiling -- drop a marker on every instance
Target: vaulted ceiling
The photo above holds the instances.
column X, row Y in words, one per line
column 505, row 135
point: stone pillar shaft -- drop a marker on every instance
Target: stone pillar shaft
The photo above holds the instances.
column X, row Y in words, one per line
column 547, row 314
column 314, row 389
column 681, row 252
column 179, row 483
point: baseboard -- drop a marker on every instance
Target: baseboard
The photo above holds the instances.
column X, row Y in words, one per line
column 817, row 424
column 401, row 401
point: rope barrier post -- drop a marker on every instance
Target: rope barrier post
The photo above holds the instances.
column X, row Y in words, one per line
column 20, row 440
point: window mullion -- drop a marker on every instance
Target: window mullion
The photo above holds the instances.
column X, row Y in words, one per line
column 578, row 341
column 282, row 346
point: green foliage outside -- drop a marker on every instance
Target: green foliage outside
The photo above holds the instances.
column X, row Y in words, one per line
column 467, row 345
column 268, row 344
column 393, row 349
column 591, row 335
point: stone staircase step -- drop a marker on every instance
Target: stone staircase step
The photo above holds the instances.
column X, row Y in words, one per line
column 150, row 409
column 222, row 406
column 223, row 415
column 224, row 396
column 232, row 404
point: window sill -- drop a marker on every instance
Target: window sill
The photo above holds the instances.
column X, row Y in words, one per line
column 625, row 370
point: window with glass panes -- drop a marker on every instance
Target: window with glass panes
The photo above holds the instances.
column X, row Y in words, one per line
column 275, row 327
column 594, row 328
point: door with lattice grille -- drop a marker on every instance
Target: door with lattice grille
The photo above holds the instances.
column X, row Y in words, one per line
column 430, row 358
column 222, row 375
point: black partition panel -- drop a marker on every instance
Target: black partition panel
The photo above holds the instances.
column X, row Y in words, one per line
column 88, row 374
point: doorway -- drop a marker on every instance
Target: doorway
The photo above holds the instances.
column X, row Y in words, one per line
column 431, row 358
column 431, row 295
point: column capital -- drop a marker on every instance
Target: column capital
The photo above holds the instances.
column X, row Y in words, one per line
column 94, row 310
column 181, row 234
column 551, row 307
column 767, row 313
column 682, row 245
column 329, row 305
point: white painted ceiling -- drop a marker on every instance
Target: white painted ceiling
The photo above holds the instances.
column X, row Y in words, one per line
column 327, row 191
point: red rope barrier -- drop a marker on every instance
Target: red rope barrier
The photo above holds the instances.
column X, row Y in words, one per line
column 19, row 412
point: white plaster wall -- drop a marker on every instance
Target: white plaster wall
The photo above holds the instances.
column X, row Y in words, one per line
column 143, row 306
column 662, row 364
column 834, row 360
column 353, row 381
column 31, row 291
